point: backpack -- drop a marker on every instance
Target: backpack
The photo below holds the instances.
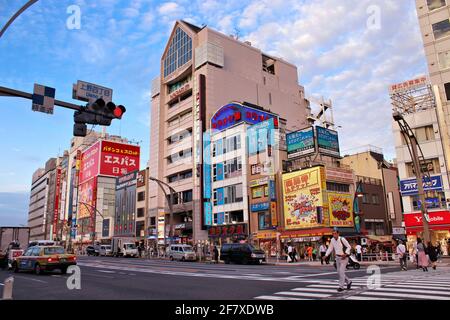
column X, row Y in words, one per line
column 344, row 247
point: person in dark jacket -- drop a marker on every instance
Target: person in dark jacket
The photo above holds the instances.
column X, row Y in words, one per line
column 432, row 252
column 216, row 254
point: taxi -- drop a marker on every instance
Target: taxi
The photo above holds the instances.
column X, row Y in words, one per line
column 44, row 258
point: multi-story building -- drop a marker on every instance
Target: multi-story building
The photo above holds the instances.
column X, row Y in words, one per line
column 38, row 205
column 142, row 206
column 201, row 71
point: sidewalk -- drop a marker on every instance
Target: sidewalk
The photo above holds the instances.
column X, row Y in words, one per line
column 444, row 262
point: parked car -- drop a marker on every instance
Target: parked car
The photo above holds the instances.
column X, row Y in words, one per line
column 44, row 258
column 182, row 252
column 241, row 253
column 105, row 250
column 91, row 251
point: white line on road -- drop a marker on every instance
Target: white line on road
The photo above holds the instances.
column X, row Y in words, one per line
column 368, row 298
column 329, row 286
column 278, row 298
column 404, row 295
column 442, row 293
column 434, row 287
column 106, row 271
column 303, row 294
column 31, row 279
column 307, row 289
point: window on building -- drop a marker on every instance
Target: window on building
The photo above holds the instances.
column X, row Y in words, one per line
column 365, row 198
column 338, row 187
column 232, row 168
column 432, row 165
column 215, row 219
column 434, row 200
column 231, row 194
column 178, row 53
column 140, row 212
column 258, row 192
column 180, row 136
column 447, row 90
column 141, row 196
column 441, row 29
column 435, row 4
column 176, row 198
column 444, row 59
column 424, row 133
column 264, row 221
column 153, row 221
column 268, row 64
column 270, row 98
column 183, row 154
column 236, row 216
column 375, row 199
column 187, row 196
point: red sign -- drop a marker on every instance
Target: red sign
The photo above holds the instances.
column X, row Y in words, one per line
column 118, row 159
column 56, row 206
column 227, row 231
column 436, row 218
column 89, row 163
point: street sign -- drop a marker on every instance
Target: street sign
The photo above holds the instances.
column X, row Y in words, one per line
column 43, row 99
column 90, row 92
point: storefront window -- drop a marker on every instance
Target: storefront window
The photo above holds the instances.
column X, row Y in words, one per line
column 433, row 202
column 264, row 220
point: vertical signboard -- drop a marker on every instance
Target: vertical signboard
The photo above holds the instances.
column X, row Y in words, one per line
column 327, row 141
column 261, row 136
column 208, row 213
column 300, row 143
column 161, row 223
column 341, row 209
column 302, row 197
column 89, row 165
column 207, row 166
column 57, row 198
column 87, row 192
column 273, row 213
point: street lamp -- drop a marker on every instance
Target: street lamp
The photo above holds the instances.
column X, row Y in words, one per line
column 413, row 148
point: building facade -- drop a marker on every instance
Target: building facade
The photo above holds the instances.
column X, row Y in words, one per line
column 202, row 70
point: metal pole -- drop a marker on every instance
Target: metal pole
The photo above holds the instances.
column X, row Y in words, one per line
column 419, row 178
column 18, row 13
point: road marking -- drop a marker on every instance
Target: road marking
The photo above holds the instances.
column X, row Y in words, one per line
column 315, row 290
column 368, row 298
column 31, row 279
column 329, row 286
column 303, row 294
column 413, row 291
column 278, row 298
column 106, row 271
column 404, row 295
column 1, row 284
column 435, row 287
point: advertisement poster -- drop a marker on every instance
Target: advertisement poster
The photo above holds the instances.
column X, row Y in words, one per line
column 341, row 209
column 327, row 141
column 89, row 163
column 302, row 196
column 161, row 234
column 87, row 194
column 118, row 159
column 300, row 143
column 260, row 136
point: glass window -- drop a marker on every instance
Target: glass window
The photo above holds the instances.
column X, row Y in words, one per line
column 36, row 251
column 257, row 192
column 180, row 52
column 140, row 212
column 441, row 29
column 424, row 133
column 375, row 199
column 187, row 196
column 447, row 90
column 264, row 220
column 435, row 4
column 141, row 196
column 53, row 250
column 444, row 59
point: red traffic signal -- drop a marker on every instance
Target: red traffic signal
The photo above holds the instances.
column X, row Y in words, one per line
column 119, row 111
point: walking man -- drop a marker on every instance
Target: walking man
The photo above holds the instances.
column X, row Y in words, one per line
column 290, row 251
column 216, row 255
column 341, row 249
column 323, row 251
column 401, row 251
column 358, row 251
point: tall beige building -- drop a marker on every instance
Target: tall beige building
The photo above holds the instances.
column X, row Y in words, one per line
column 201, row 71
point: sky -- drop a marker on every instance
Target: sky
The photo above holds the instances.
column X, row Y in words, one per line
column 346, row 51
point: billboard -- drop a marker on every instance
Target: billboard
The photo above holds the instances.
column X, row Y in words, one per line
column 341, row 209
column 126, row 181
column 434, row 218
column 408, row 85
column 57, row 196
column 409, row 186
column 300, row 143
column 87, row 193
column 89, row 166
column 207, row 186
column 118, row 159
column 141, row 178
column 260, row 136
column 327, row 141
column 303, row 197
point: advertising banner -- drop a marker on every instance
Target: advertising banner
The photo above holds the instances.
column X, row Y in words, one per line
column 341, row 209
column 57, row 197
column 89, row 165
column 161, row 234
column 118, row 159
column 207, row 188
column 302, row 196
column 300, row 143
column 260, row 136
column 262, row 206
column 328, row 141
column 126, row 180
column 434, row 218
column 208, row 213
column 272, row 190
column 87, row 193
column 227, row 231
column 273, row 213
column 141, row 178
column 409, row 186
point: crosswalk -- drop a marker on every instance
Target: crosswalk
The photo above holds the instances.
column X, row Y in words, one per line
column 409, row 285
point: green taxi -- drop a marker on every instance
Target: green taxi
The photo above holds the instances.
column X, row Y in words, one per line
column 44, row 258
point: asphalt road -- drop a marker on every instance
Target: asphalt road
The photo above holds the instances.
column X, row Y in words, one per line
column 136, row 279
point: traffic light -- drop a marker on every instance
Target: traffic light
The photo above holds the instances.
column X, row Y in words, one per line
column 99, row 113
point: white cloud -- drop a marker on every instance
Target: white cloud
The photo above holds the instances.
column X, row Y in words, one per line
column 168, row 8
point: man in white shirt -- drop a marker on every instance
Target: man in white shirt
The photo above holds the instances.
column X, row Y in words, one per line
column 290, row 250
column 401, row 251
column 341, row 249
column 323, row 251
column 358, row 252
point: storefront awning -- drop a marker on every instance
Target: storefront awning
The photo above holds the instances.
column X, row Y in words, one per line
column 413, row 230
column 379, row 238
column 306, row 233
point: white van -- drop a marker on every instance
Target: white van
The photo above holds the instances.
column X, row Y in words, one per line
column 183, row 252
column 105, row 250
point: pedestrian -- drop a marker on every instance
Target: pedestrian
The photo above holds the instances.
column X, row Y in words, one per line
column 358, row 249
column 341, row 249
column 422, row 255
column 294, row 255
column 416, row 252
column 309, row 251
column 401, row 251
column 140, row 251
column 290, row 250
column 323, row 250
column 216, row 254
column 432, row 254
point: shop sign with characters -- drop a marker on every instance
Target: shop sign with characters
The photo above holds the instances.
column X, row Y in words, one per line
column 341, row 212
column 303, row 198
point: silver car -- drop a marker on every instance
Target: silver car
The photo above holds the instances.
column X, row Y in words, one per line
column 182, row 252
column 105, row 250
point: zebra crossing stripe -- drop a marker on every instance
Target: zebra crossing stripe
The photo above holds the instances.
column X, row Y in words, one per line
column 304, row 294
column 417, row 286
column 442, row 293
column 315, row 290
column 278, row 298
column 403, row 295
column 368, row 298
column 330, row 286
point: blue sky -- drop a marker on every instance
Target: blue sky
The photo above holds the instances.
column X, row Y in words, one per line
column 120, row 42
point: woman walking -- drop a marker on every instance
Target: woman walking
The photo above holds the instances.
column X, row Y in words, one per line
column 433, row 254
column 422, row 255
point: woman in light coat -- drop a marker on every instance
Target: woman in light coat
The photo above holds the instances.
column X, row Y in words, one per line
column 423, row 258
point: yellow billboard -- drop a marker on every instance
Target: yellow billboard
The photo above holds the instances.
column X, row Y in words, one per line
column 341, row 209
column 302, row 195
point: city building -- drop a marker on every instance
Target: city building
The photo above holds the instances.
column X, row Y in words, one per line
column 37, row 212
column 201, row 71
column 142, row 221
column 125, row 202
